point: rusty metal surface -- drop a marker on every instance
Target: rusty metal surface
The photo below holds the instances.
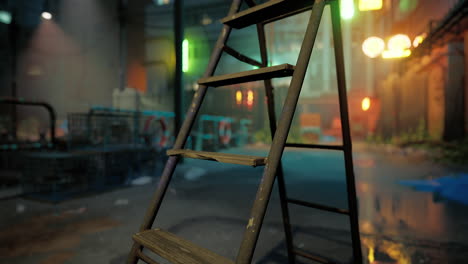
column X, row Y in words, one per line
column 348, row 151
column 183, row 134
column 269, row 91
column 277, row 147
column 280, row 133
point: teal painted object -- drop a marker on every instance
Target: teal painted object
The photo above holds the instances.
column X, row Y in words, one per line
column 201, row 136
column 242, row 137
column 197, row 138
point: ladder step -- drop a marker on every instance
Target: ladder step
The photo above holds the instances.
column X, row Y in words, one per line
column 319, row 206
column 282, row 70
column 220, row 157
column 316, row 258
column 314, row 146
column 175, row 249
column 267, row 12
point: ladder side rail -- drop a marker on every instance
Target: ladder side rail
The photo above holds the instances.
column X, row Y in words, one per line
column 269, row 91
column 189, row 120
column 182, row 136
column 263, row 194
column 241, row 57
column 347, row 145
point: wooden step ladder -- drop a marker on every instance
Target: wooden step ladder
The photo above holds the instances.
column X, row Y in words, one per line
column 180, row 251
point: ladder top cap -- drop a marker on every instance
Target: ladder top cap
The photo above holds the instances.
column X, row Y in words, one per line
column 268, row 12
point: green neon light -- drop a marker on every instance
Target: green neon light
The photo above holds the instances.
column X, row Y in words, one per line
column 347, row 9
column 185, row 55
column 5, row 17
column 406, row 5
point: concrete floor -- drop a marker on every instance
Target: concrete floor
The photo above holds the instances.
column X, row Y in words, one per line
column 398, row 225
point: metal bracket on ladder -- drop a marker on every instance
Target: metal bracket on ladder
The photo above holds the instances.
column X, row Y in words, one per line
column 180, row 251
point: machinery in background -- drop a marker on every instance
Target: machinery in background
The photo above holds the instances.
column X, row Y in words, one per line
column 96, row 150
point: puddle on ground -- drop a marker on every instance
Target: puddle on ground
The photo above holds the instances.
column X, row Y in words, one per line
column 401, row 226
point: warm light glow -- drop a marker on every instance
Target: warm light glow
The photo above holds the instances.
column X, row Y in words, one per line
column 418, row 40
column 394, row 54
column 46, row 15
column 398, row 47
column 5, row 17
column 367, row 5
column 250, row 98
column 399, row 42
column 371, row 256
column 162, row 2
column 185, row 55
column 238, row 97
column 347, row 9
column 373, row 47
column 366, row 103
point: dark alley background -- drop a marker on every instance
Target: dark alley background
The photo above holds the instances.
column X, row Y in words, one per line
column 92, row 93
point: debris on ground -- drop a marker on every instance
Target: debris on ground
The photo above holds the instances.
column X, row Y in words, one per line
column 76, row 211
column 121, row 202
column 194, row 173
column 20, row 208
column 141, row 180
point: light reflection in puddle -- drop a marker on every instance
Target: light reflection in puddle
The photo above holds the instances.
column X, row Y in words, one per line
column 401, row 226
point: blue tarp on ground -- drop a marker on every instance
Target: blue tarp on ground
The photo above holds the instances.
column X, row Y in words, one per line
column 453, row 188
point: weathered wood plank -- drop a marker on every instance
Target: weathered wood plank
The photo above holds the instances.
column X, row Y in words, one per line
column 177, row 250
column 220, row 157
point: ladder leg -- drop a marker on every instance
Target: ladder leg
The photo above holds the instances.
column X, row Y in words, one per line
column 263, row 194
column 182, row 136
column 280, row 173
column 350, row 181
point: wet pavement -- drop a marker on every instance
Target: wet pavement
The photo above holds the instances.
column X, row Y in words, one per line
column 398, row 224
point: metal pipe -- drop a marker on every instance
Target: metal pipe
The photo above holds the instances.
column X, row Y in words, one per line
column 264, row 192
column 319, row 206
column 348, row 151
column 178, row 77
column 269, row 91
column 183, row 134
column 314, row 146
column 122, row 11
column 241, row 57
column 315, row 258
column 14, row 53
column 47, row 106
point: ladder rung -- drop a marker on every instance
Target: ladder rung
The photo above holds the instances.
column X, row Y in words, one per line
column 146, row 258
column 241, row 57
column 319, row 206
column 314, row 257
column 316, row 146
column 177, row 250
column 267, row 12
column 282, row 70
column 220, row 157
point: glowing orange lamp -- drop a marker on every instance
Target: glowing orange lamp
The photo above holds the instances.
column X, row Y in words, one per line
column 373, row 47
column 365, row 104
